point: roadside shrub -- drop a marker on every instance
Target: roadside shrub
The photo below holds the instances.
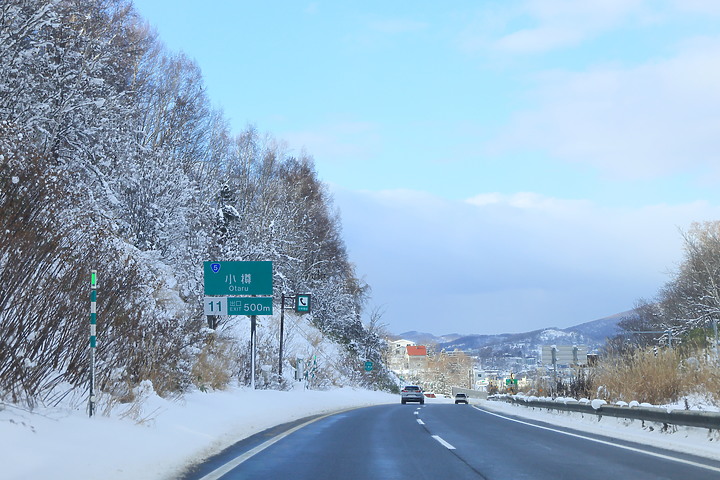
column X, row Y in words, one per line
column 216, row 363
column 644, row 375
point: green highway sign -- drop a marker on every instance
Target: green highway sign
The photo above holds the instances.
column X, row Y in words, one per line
column 238, row 278
column 238, row 306
column 302, row 303
column 250, row 305
column 368, row 366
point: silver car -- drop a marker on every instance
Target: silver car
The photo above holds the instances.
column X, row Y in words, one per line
column 461, row 398
column 412, row 393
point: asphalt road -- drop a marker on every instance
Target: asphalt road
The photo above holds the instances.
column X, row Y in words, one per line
column 443, row 441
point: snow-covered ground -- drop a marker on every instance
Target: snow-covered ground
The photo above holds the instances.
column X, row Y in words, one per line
column 62, row 444
column 698, row 441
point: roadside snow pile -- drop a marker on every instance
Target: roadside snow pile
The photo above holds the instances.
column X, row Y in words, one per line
column 691, row 440
column 66, row 444
column 694, row 402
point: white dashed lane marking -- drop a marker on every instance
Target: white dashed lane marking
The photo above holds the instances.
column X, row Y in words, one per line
column 443, row 442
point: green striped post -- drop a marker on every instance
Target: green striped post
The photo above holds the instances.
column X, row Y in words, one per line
column 93, row 340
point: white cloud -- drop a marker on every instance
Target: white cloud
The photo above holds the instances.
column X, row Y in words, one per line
column 536, row 26
column 527, row 200
column 641, row 122
column 563, row 23
column 508, row 262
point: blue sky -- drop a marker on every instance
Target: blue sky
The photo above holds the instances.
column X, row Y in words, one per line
column 499, row 166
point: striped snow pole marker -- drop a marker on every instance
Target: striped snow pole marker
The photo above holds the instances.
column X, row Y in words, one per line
column 93, row 339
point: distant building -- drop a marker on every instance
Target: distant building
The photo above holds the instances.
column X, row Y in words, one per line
column 565, row 355
column 484, row 378
column 407, row 359
column 398, row 347
column 416, row 358
column 398, row 354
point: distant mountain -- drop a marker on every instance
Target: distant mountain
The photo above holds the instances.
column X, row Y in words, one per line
column 424, row 338
column 593, row 334
column 602, row 328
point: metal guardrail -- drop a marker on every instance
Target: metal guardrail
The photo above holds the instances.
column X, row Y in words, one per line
column 690, row 418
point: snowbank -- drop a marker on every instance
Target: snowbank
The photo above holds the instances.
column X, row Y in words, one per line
column 62, row 444
column 692, row 440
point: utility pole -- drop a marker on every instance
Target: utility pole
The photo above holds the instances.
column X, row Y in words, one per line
column 554, row 362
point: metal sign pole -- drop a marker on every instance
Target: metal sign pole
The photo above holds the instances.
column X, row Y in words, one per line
column 554, row 362
column 93, row 341
column 253, row 341
column 282, row 327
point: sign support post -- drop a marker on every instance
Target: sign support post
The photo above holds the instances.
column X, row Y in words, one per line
column 301, row 304
column 282, row 332
column 554, row 362
column 253, row 346
column 93, row 339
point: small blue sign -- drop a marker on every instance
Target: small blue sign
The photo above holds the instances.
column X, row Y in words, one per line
column 215, row 267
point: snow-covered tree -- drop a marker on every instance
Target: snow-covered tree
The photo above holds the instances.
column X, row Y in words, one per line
column 691, row 299
column 112, row 158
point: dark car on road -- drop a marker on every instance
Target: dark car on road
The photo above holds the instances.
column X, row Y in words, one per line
column 412, row 393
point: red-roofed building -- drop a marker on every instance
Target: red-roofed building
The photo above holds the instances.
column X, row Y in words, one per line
column 416, row 350
column 416, row 357
column 398, row 354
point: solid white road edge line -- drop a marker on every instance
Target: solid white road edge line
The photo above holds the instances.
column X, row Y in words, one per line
column 597, row 440
column 443, row 442
column 420, row 422
column 220, row 471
